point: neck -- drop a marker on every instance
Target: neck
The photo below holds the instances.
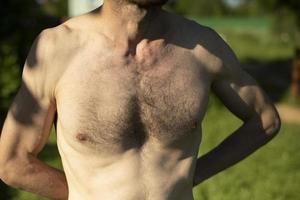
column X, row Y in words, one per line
column 128, row 22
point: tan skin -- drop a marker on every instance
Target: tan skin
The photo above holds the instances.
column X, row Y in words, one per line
column 130, row 85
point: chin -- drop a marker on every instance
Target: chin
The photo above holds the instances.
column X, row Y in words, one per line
column 148, row 3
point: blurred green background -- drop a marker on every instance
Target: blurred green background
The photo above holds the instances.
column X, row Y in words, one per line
column 264, row 35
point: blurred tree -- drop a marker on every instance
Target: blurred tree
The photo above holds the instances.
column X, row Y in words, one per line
column 286, row 18
column 287, row 26
column 246, row 8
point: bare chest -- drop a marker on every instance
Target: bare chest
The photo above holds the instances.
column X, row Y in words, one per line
column 120, row 104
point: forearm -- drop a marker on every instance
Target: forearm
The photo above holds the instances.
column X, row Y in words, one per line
column 240, row 144
column 36, row 177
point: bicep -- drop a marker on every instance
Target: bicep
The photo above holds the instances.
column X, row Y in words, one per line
column 27, row 125
column 29, row 119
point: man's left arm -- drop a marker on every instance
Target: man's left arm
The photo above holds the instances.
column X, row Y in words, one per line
column 240, row 93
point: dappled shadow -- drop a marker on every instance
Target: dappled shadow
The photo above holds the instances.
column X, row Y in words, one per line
column 273, row 76
column 21, row 21
column 178, row 31
column 25, row 105
column 32, row 59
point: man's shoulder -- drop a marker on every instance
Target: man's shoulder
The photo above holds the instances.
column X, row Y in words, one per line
column 58, row 41
column 70, row 29
column 57, row 34
column 194, row 33
column 52, row 38
column 54, row 47
column 207, row 45
column 43, row 47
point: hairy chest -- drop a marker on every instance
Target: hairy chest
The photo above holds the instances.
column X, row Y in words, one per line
column 111, row 103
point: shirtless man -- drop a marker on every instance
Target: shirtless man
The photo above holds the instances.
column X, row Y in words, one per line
column 130, row 84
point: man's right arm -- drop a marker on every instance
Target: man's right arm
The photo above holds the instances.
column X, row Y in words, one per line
column 27, row 128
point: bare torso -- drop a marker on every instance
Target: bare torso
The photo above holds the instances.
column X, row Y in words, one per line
column 129, row 126
column 130, row 86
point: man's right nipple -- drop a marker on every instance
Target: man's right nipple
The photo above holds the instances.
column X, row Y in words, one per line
column 82, row 137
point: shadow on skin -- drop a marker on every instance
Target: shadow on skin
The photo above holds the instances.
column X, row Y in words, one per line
column 136, row 131
column 24, row 115
column 274, row 76
column 20, row 108
column 23, row 33
column 186, row 39
column 32, row 59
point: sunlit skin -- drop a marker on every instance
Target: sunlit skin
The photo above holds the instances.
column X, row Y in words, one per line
column 130, row 84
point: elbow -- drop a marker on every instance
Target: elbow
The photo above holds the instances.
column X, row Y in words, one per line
column 11, row 173
column 271, row 122
column 8, row 175
column 275, row 126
